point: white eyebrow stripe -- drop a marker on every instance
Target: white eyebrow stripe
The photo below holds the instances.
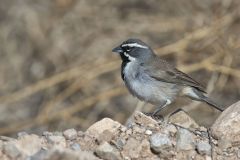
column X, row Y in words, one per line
column 134, row 45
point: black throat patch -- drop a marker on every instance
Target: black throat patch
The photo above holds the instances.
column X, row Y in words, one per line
column 125, row 60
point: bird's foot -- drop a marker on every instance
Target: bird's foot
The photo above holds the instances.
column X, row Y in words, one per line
column 155, row 116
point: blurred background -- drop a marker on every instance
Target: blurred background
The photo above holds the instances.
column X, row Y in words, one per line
column 57, row 70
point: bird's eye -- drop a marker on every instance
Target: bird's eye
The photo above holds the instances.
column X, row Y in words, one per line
column 127, row 48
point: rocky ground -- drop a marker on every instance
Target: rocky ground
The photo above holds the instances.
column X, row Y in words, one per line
column 58, row 72
column 141, row 138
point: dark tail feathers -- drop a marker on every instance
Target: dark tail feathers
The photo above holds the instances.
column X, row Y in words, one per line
column 211, row 103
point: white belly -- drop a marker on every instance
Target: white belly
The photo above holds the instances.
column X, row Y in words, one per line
column 146, row 88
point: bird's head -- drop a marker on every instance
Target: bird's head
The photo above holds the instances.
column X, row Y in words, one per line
column 133, row 49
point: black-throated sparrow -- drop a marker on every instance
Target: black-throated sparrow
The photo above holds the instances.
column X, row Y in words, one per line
column 154, row 80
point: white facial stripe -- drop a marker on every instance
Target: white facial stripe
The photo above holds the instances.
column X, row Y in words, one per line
column 134, row 45
column 129, row 57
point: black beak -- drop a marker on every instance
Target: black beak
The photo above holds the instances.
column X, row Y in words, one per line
column 117, row 50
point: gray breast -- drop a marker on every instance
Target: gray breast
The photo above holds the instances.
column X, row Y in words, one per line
column 145, row 87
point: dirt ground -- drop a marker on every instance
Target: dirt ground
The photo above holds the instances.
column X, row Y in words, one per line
column 57, row 70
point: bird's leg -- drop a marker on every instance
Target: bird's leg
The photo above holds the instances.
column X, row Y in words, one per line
column 178, row 110
column 161, row 107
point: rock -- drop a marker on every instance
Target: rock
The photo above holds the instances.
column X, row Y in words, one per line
column 70, row 134
column 86, row 155
column 105, row 136
column 105, row 124
column 171, row 129
column 11, row 150
column 70, row 155
column 57, row 141
column 146, row 152
column 40, row 155
column 144, row 120
column 204, row 148
column 80, row 133
column 29, row 144
column 226, row 128
column 185, row 140
column 123, row 129
column 75, row 147
column 46, row 133
column 160, row 142
column 4, row 156
column 108, row 152
column 182, row 119
column 120, row 143
column 148, row 132
column 57, row 133
column 21, row 134
column 132, row 149
column 138, row 129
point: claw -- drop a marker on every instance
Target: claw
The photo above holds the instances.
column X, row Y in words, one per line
column 154, row 116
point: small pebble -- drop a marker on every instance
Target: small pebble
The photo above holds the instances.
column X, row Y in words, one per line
column 57, row 140
column 137, row 129
column 21, row 134
column 120, row 143
column 171, row 129
column 129, row 131
column 75, row 147
column 160, row 142
column 108, row 152
column 204, row 148
column 57, row 133
column 70, row 134
column 80, row 133
column 46, row 133
column 148, row 132
column 11, row 150
column 185, row 140
column 123, row 129
column 40, row 155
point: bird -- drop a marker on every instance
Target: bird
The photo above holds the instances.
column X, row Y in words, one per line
column 153, row 80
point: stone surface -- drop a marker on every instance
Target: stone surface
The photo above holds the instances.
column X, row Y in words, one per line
column 226, row 128
column 57, row 141
column 107, row 152
column 144, row 120
column 160, row 142
column 204, row 148
column 132, row 148
column 148, row 132
column 171, row 129
column 21, row 134
column 185, row 140
column 41, row 154
column 182, row 119
column 75, row 147
column 11, row 150
column 105, row 124
column 70, row 134
column 70, row 155
column 107, row 139
column 29, row 144
column 105, row 136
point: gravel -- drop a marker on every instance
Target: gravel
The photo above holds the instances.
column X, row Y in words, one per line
column 204, row 148
column 70, row 134
column 185, row 140
column 160, row 142
column 146, row 139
